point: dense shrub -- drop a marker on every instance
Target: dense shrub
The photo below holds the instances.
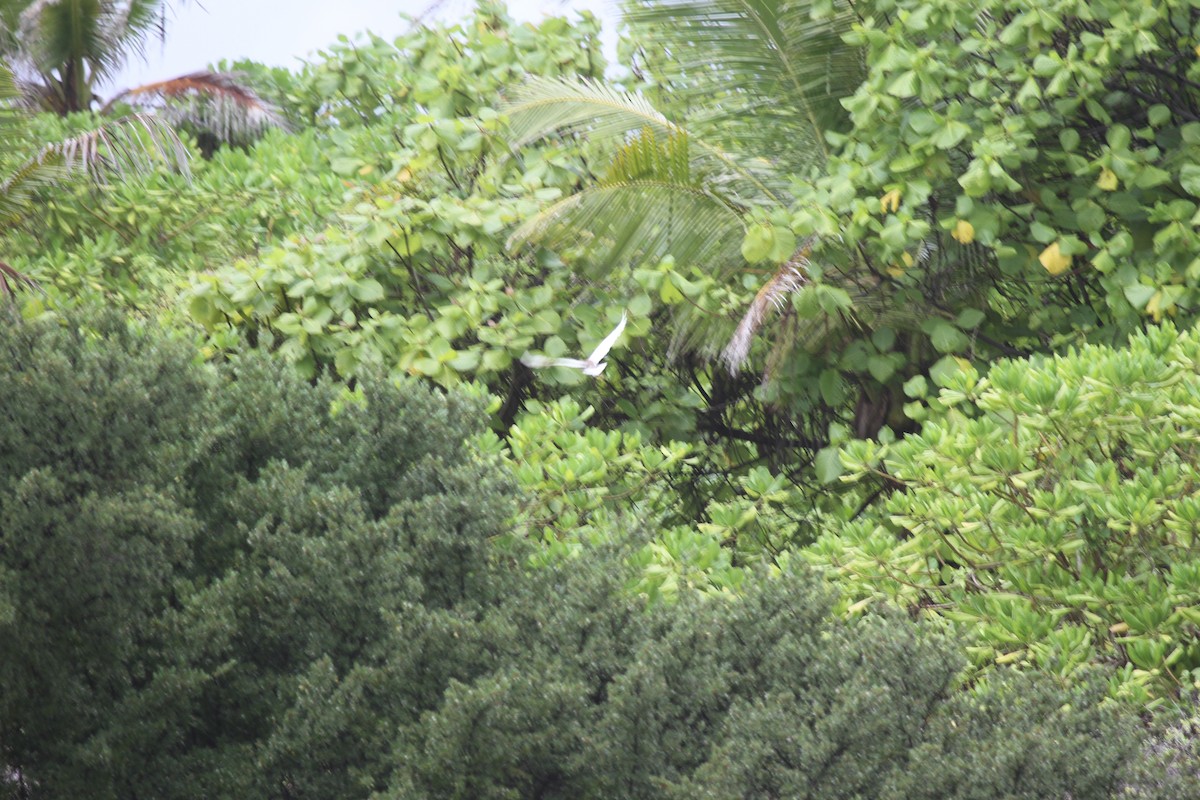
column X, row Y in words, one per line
column 759, row 697
column 1050, row 508
column 133, row 241
column 210, row 583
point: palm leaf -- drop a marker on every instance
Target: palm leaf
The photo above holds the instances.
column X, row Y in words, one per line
column 99, row 33
column 547, row 106
column 17, row 188
column 767, row 74
column 131, row 145
column 649, row 204
column 9, row 95
column 636, row 221
column 790, row 277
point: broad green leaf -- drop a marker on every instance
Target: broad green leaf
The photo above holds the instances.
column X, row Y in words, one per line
column 828, row 465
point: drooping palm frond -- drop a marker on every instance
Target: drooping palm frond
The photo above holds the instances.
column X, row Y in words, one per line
column 214, row 101
column 766, row 74
column 134, row 144
column 649, row 204
column 12, row 279
column 789, row 278
column 17, row 188
column 131, row 145
column 546, row 106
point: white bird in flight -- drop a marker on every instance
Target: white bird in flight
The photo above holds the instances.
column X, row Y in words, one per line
column 592, row 365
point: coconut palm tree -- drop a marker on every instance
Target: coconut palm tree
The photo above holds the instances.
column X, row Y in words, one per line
column 753, row 87
column 65, row 49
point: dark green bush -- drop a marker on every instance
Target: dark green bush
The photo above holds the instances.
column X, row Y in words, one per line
column 213, row 585
column 760, row 697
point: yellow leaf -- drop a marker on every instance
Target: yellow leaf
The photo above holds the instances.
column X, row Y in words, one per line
column 1118, row 628
column 1154, row 306
column 859, row 606
column 964, row 232
column 366, row 170
column 890, row 201
column 404, row 176
column 1107, row 180
column 907, row 259
column 1053, row 259
column 1008, row 658
column 895, row 271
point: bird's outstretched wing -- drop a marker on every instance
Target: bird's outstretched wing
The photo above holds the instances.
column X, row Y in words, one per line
column 537, row 362
column 602, row 349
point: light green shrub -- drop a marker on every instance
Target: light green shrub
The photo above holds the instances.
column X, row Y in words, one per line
column 1050, row 510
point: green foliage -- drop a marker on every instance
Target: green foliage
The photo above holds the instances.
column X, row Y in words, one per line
column 282, row 576
column 1032, row 166
column 407, row 275
column 95, row 528
column 584, row 488
column 411, row 276
column 1049, row 510
column 212, row 583
column 136, row 242
column 389, row 258
column 227, row 581
column 762, row 696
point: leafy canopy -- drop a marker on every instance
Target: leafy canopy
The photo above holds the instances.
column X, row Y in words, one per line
column 1049, row 510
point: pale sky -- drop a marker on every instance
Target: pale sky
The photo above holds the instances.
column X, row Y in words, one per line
column 279, row 32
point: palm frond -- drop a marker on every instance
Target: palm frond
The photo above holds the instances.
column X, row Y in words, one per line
column 17, row 188
column 768, row 74
column 9, row 95
column 8, row 85
column 649, row 204
column 129, row 23
column 637, row 221
column 12, row 279
column 645, row 156
column 789, row 278
column 545, row 106
column 98, row 33
column 131, row 145
column 134, row 144
column 218, row 102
